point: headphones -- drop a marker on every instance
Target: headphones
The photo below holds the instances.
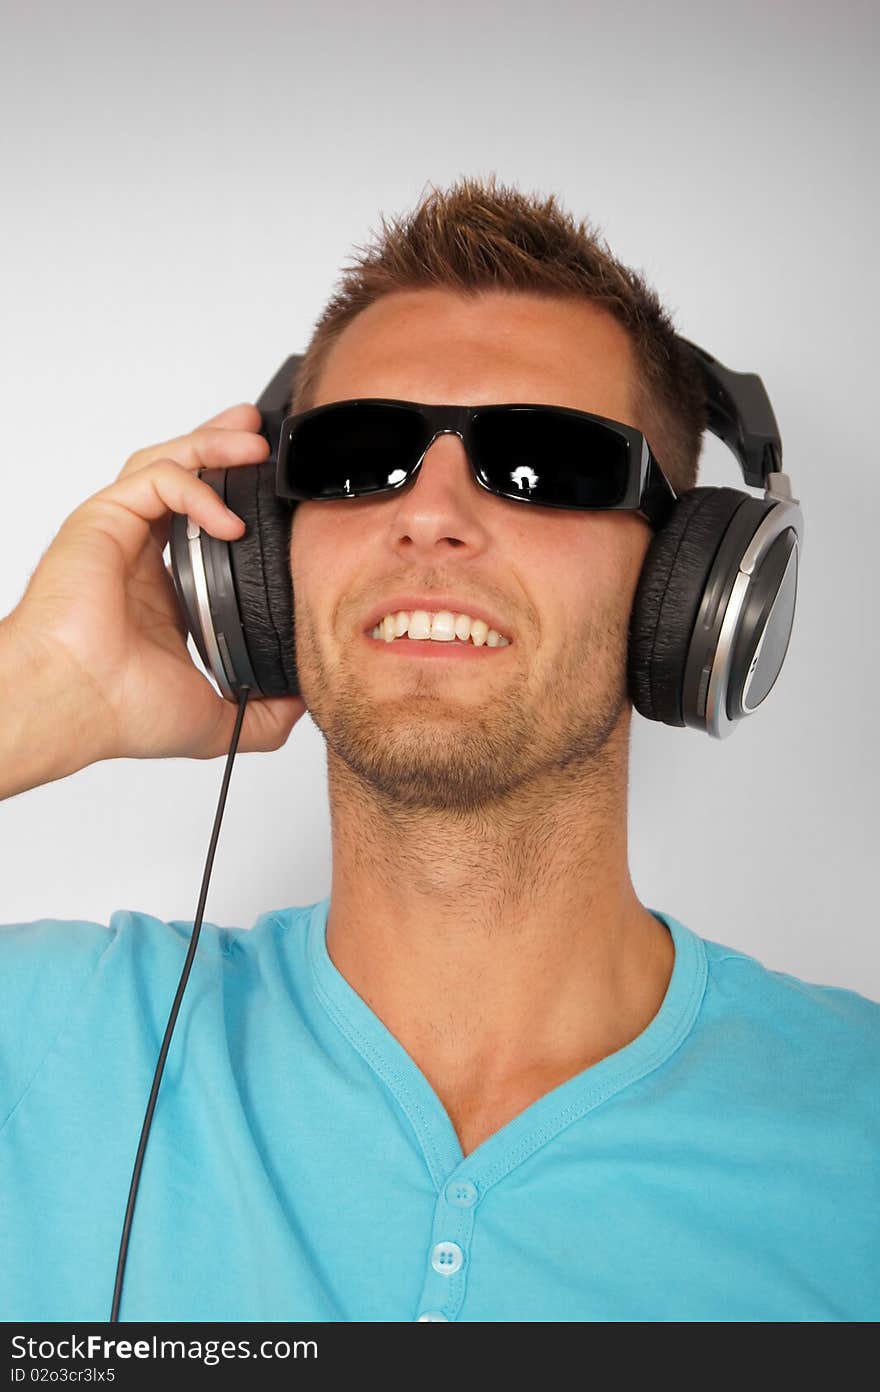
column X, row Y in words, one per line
column 712, row 614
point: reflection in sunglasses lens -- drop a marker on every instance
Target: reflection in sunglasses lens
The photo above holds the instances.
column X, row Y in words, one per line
column 355, row 449
column 551, row 458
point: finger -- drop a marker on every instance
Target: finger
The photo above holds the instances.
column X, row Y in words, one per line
column 209, row 446
column 267, row 723
column 126, row 511
column 244, row 416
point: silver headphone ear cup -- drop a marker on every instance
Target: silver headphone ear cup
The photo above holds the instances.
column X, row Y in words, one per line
column 236, row 597
column 203, row 576
column 745, row 620
column 182, row 567
column 668, row 598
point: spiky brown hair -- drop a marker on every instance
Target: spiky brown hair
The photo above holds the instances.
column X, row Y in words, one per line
column 478, row 235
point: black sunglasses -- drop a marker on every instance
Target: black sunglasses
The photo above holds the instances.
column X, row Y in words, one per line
column 549, row 455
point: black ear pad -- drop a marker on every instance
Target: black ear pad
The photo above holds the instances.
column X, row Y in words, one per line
column 668, row 597
column 261, row 569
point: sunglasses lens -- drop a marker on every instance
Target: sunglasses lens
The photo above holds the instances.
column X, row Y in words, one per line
column 550, row 458
column 353, row 449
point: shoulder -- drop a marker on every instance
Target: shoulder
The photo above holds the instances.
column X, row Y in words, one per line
column 789, row 1038
column 53, row 951
column 837, row 1011
column 61, row 950
column 52, row 970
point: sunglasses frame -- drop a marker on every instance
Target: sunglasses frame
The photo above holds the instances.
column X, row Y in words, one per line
column 648, row 490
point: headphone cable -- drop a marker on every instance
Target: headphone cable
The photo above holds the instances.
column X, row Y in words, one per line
column 184, row 977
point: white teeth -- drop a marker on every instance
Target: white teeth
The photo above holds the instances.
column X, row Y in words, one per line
column 419, row 624
column 442, row 627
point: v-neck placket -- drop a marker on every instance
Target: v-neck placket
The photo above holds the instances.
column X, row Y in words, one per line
column 462, row 1181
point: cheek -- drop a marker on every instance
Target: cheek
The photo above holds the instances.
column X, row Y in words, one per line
column 612, row 549
column 315, row 551
column 303, row 540
column 596, row 563
column 328, row 554
column 580, row 548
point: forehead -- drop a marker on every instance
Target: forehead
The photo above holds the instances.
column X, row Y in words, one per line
column 442, row 346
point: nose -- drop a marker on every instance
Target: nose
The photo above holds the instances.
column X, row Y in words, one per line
column 442, row 508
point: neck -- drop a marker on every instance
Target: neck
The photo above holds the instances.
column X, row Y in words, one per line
column 504, row 949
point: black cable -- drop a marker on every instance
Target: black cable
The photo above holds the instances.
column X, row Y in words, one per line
column 184, row 977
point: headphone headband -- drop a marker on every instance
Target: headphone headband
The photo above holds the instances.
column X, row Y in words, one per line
column 740, row 414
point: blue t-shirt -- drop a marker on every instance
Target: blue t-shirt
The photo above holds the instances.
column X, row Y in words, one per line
column 721, row 1166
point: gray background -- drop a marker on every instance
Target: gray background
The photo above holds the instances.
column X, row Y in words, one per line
column 181, row 187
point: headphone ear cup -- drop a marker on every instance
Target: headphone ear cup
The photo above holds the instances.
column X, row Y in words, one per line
column 260, row 561
column 668, row 597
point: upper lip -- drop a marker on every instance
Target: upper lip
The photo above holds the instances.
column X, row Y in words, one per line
column 433, row 604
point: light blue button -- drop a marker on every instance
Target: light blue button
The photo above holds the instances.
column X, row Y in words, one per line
column 462, row 1193
column 447, row 1257
column 431, row 1315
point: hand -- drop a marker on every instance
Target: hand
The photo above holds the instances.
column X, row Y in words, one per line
column 101, row 605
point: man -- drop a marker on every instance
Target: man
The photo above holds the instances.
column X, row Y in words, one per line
column 481, row 1080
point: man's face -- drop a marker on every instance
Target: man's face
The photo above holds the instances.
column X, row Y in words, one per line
column 437, row 730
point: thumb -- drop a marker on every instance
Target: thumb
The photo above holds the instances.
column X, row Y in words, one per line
column 268, row 722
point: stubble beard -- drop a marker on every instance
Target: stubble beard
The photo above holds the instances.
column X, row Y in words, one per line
column 430, row 750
